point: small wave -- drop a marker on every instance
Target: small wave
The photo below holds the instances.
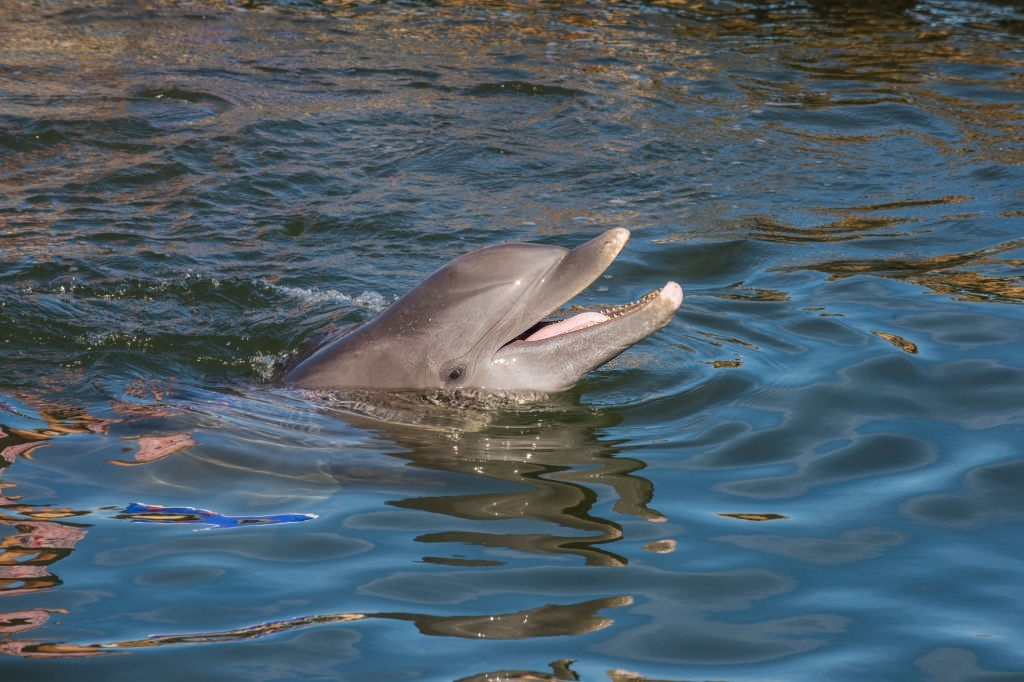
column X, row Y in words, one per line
column 371, row 300
column 264, row 365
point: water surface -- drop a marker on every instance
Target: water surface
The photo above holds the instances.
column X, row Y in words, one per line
column 814, row 472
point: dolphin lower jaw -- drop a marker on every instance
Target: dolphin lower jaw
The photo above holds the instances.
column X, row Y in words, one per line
column 556, row 362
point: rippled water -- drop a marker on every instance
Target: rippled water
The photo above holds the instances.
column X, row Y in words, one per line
column 815, row 472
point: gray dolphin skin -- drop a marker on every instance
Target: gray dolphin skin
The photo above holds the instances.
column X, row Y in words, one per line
column 477, row 324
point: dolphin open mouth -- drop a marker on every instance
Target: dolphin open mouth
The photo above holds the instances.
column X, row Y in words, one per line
column 589, row 338
column 671, row 292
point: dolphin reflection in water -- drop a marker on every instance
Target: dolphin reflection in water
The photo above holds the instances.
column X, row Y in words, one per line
column 554, row 463
column 565, row 484
column 478, row 323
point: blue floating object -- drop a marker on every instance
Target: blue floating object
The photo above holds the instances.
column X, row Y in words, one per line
column 152, row 513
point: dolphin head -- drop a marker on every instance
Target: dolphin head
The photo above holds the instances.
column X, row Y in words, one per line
column 477, row 323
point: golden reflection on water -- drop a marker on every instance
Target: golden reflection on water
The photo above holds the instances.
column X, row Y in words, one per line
column 545, row 621
column 963, row 276
column 898, row 341
column 901, row 53
column 750, row 516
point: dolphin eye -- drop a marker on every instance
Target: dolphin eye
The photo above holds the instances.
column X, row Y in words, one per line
column 454, row 374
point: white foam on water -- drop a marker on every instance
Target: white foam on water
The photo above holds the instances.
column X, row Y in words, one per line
column 371, row 300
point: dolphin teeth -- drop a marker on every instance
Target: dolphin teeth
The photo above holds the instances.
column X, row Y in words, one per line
column 582, row 320
column 620, row 310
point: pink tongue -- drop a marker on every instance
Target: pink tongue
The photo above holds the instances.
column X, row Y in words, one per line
column 574, row 323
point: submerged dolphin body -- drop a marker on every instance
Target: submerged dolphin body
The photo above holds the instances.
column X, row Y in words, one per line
column 477, row 324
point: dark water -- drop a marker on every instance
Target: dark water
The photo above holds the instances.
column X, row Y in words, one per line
column 816, row 472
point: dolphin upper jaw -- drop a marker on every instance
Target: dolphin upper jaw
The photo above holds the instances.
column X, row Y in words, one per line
column 540, row 296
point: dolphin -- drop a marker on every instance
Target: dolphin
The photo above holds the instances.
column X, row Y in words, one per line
column 478, row 324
